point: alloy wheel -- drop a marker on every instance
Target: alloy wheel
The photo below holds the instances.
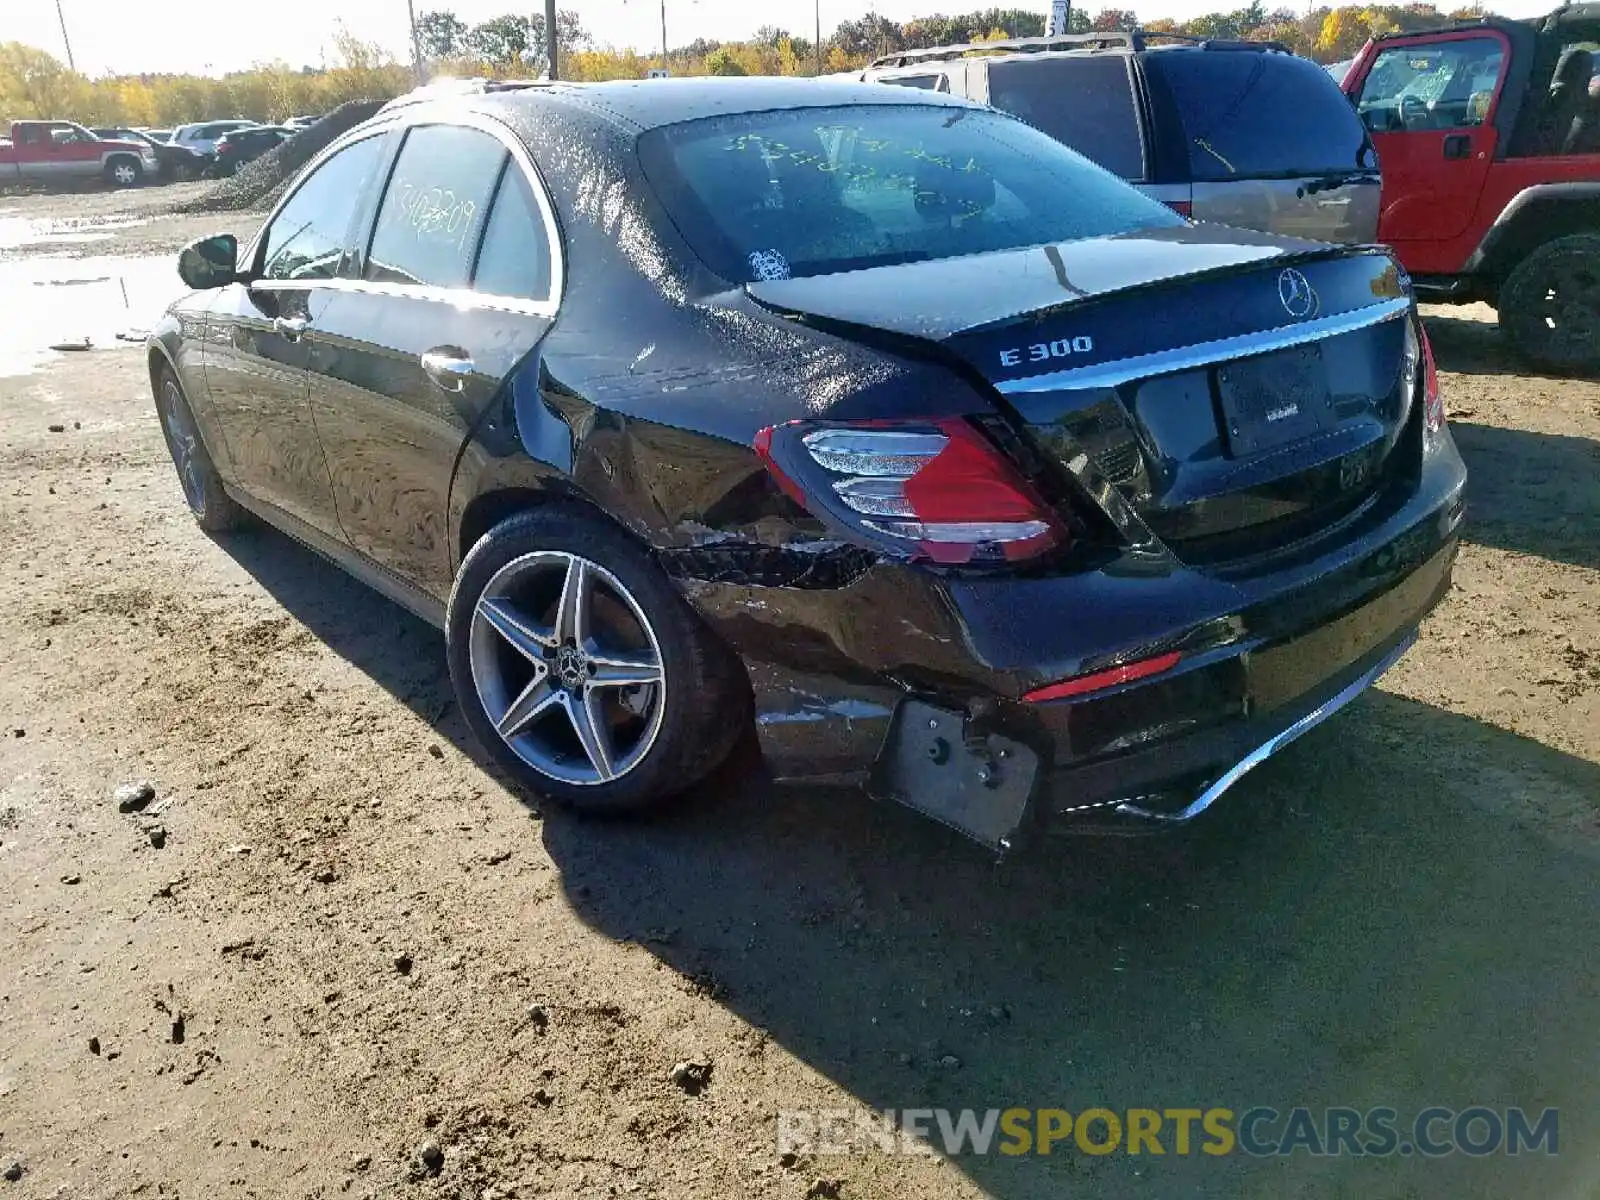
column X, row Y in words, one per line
column 567, row 668
column 124, row 174
column 184, row 443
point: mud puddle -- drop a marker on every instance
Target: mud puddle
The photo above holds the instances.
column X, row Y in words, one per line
column 59, row 305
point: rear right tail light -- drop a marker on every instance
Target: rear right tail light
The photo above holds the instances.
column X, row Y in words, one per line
column 1432, row 397
column 1183, row 208
column 937, row 490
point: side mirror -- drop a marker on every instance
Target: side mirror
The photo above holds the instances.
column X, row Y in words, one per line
column 211, row 262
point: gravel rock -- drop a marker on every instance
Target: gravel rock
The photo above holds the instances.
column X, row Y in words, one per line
column 94, row 1045
column 403, row 963
column 263, row 181
column 58, row 429
column 72, row 879
column 691, row 1076
column 157, row 835
column 14, row 1172
column 950, row 1062
column 132, row 797
column 325, row 875
column 431, row 1156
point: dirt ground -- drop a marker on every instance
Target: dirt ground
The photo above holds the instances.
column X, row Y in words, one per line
column 353, row 940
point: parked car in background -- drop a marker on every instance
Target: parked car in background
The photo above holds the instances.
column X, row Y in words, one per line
column 173, row 162
column 160, row 135
column 1242, row 133
column 926, row 449
column 235, row 151
column 60, row 152
column 1490, row 136
column 202, row 137
column 302, row 122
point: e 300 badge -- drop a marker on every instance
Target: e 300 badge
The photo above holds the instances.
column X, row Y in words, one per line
column 1044, row 351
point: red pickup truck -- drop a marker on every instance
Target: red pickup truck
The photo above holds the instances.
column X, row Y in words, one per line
column 64, row 152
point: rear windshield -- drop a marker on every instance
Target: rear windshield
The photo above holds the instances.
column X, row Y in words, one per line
column 1085, row 101
column 1249, row 115
column 813, row 191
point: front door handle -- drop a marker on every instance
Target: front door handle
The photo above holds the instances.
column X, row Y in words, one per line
column 1458, row 145
column 448, row 367
column 292, row 328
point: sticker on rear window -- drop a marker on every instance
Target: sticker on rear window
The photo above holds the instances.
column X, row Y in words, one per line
column 769, row 264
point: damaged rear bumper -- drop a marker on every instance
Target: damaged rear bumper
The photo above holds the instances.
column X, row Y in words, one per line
column 917, row 691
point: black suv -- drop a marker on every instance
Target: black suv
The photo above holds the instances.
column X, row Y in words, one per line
column 1241, row 133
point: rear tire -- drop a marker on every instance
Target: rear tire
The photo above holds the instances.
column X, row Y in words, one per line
column 123, row 170
column 214, row 510
column 1550, row 304
column 613, row 696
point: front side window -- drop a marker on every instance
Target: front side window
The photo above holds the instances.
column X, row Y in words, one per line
column 1442, row 85
column 813, row 191
column 434, row 207
column 307, row 238
column 1085, row 102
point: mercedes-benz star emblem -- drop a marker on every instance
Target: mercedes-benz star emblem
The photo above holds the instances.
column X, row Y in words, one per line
column 571, row 669
column 1299, row 297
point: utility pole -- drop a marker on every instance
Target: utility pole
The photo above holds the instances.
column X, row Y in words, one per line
column 60, row 16
column 819, row 36
column 550, row 37
column 417, row 70
column 663, row 33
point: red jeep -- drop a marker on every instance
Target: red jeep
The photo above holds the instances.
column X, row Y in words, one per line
column 1489, row 137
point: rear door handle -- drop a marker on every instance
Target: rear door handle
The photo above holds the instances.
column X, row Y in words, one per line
column 292, row 328
column 448, row 367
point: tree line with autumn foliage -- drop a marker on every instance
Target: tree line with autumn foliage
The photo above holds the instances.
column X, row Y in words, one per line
column 34, row 83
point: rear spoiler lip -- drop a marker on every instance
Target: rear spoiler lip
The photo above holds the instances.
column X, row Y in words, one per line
column 1287, row 258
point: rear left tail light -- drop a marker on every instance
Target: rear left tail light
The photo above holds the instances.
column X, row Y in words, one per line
column 937, row 490
column 1183, row 208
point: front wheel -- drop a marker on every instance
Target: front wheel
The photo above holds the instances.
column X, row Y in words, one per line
column 582, row 671
column 1550, row 304
column 214, row 510
column 124, row 172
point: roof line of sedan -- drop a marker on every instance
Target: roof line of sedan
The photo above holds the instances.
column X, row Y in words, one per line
column 639, row 105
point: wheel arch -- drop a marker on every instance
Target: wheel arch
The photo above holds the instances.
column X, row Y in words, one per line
column 517, row 491
column 1534, row 216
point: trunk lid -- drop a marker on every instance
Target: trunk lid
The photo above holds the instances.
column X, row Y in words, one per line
column 1225, row 393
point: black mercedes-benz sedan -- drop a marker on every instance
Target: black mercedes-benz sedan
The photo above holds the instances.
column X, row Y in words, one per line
column 868, row 419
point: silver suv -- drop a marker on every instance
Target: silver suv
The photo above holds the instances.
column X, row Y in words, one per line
column 1240, row 133
column 202, row 138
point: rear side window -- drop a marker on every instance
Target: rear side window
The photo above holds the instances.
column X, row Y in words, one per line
column 515, row 259
column 306, row 239
column 1252, row 115
column 928, row 83
column 1086, row 103
column 434, row 207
